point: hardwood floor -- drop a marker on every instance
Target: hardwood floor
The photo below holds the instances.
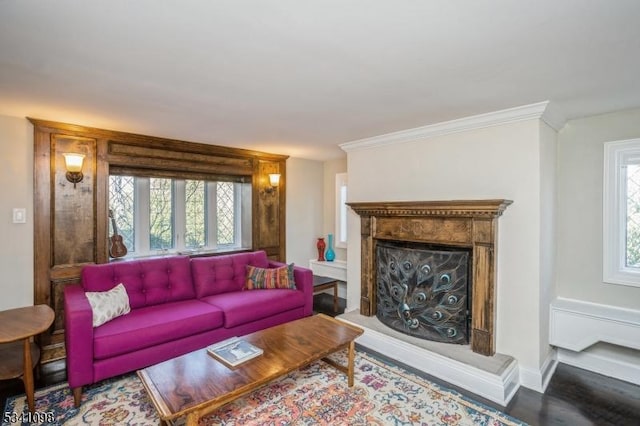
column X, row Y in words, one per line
column 579, row 397
column 575, row 397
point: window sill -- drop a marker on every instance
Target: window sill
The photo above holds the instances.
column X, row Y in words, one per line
column 190, row 253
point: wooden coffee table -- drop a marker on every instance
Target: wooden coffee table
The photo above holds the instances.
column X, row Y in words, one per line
column 195, row 384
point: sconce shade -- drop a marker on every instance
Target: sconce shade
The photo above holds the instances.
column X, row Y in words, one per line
column 73, row 162
column 274, row 179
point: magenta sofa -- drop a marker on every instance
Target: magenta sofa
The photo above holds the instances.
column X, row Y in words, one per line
column 178, row 305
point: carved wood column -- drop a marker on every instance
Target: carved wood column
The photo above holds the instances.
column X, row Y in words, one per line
column 470, row 224
column 483, row 289
column 367, row 296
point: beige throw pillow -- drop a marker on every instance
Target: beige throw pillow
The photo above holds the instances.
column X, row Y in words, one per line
column 107, row 305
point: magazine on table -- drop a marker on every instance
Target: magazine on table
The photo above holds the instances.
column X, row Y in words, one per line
column 234, row 351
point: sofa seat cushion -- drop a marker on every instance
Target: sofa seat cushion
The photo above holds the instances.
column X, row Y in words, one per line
column 241, row 307
column 154, row 325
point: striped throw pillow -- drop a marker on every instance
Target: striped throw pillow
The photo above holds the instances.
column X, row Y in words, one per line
column 266, row 278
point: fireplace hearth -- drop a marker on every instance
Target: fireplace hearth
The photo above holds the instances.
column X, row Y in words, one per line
column 469, row 225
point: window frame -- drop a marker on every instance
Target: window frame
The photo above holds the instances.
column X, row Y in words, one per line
column 617, row 155
column 341, row 210
column 141, row 218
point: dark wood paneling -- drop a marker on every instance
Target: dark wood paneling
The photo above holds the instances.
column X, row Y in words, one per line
column 57, row 302
column 74, row 236
column 160, row 158
column 269, row 222
column 71, row 225
column 42, row 216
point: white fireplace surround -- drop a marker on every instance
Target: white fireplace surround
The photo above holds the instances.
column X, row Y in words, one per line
column 509, row 153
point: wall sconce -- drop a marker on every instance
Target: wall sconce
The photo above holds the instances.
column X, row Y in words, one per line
column 274, row 181
column 73, row 163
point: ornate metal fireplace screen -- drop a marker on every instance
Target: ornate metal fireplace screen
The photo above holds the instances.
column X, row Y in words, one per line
column 423, row 292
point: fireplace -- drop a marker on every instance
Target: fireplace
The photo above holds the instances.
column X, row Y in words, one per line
column 422, row 291
column 469, row 226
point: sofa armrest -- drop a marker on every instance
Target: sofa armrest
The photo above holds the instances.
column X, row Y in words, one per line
column 304, row 282
column 78, row 336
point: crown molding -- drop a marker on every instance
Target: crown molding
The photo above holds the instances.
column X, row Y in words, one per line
column 553, row 117
column 541, row 111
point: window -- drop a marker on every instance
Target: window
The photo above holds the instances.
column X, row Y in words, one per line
column 341, row 210
column 163, row 215
column 621, row 213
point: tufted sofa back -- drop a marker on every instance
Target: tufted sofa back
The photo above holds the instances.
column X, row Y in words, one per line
column 222, row 274
column 148, row 281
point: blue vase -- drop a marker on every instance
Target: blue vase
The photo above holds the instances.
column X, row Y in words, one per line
column 330, row 255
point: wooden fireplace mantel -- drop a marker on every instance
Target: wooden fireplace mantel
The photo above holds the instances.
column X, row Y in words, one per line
column 466, row 223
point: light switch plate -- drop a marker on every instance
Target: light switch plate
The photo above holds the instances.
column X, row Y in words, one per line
column 20, row 215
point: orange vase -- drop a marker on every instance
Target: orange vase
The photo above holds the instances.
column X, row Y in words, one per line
column 321, row 246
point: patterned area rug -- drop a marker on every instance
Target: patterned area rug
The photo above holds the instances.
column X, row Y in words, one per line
column 315, row 395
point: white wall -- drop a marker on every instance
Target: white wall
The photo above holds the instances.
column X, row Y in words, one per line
column 305, row 209
column 331, row 168
column 16, row 180
column 548, row 212
column 495, row 162
column 580, row 179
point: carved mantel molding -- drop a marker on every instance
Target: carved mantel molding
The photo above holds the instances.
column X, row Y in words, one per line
column 459, row 208
column 469, row 224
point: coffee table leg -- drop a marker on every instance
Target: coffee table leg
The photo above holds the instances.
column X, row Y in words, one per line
column 352, row 353
column 335, row 297
column 192, row 419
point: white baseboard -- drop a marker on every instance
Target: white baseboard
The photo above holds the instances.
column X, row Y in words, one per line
column 600, row 338
column 497, row 388
column 576, row 325
column 538, row 380
column 605, row 361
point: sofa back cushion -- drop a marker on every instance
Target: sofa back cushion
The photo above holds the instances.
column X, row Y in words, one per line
column 148, row 282
column 222, row 274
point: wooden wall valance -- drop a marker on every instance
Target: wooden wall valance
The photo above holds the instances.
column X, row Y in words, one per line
column 468, row 223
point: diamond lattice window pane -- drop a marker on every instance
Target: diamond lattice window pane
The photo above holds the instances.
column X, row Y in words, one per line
column 195, row 202
column 160, row 214
column 122, row 204
column 225, row 212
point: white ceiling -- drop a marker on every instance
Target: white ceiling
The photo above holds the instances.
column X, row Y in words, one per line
column 300, row 77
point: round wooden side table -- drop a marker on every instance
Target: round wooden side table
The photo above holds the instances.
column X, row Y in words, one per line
column 18, row 355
